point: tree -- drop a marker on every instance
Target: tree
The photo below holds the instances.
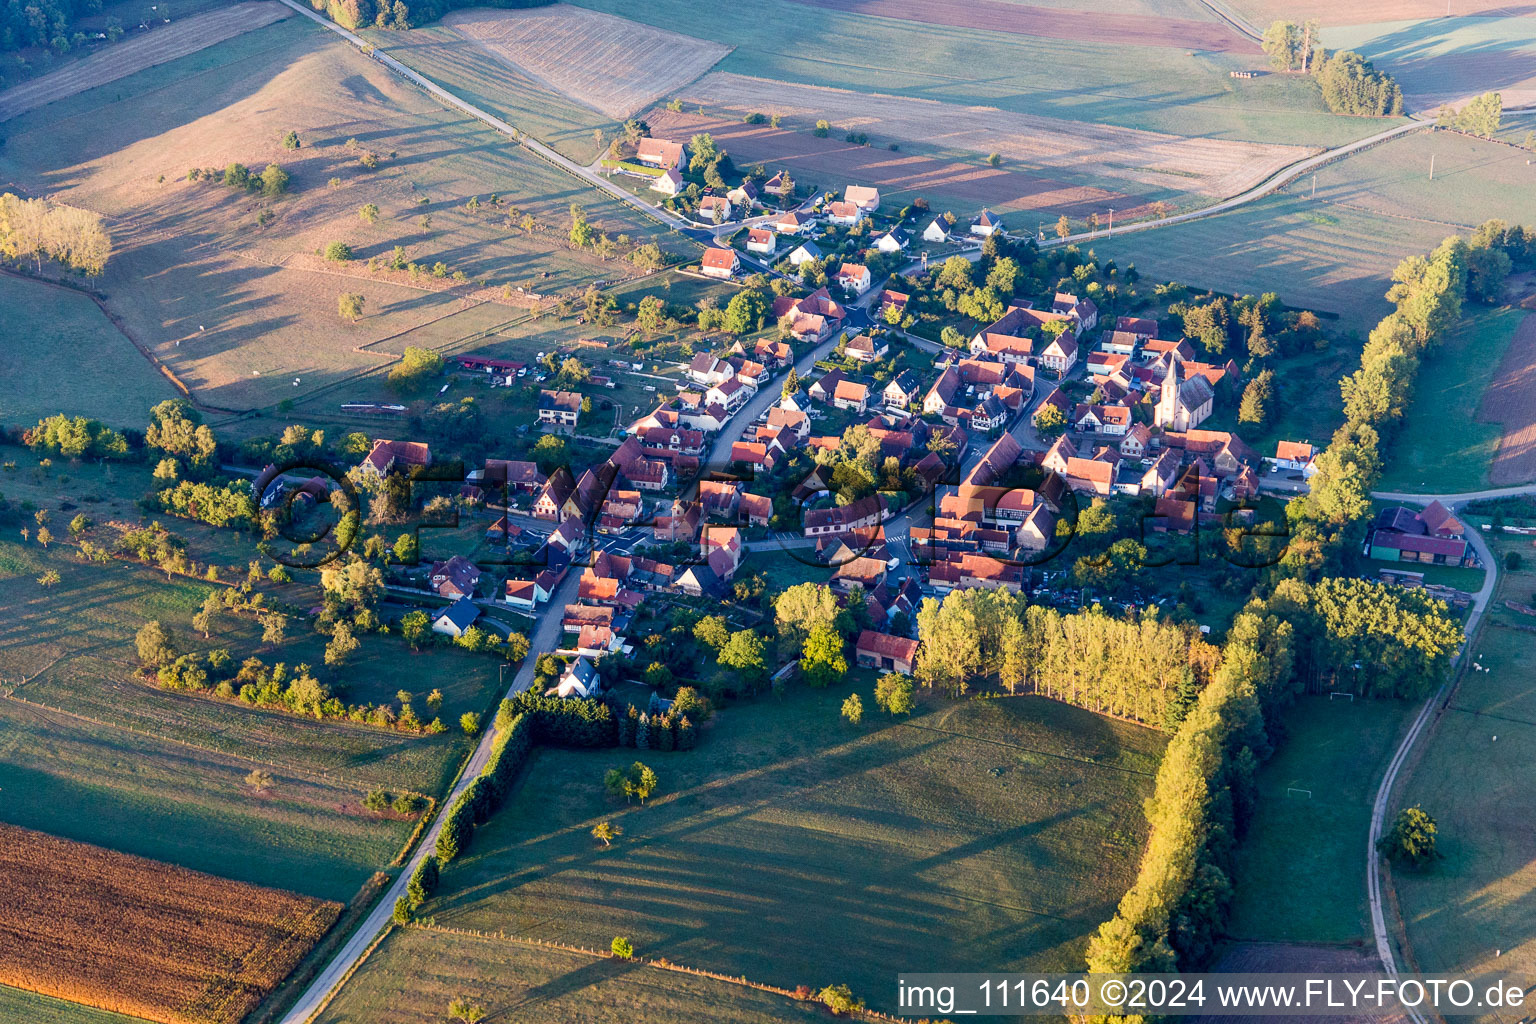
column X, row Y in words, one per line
column 800, row 608
column 350, row 306
column 44, row 536
column 259, row 779
column 1513, row 561
column 792, row 385
column 581, row 233
column 743, row 651
column 469, row 721
column 635, row 781
column 1411, row 838
column 155, row 645
column 417, row 367
column 274, row 181
column 204, row 619
column 893, row 694
column 1257, row 406
column 416, row 628
column 840, row 1000
column 955, row 273
column 853, row 709
column 822, row 658
column 291, row 140
column 1063, row 226
column 342, row 644
column 178, row 429
column 50, row 578
column 606, row 832
column 622, row 948
column 823, row 128
column 368, row 212
column 461, row 1008
column 1481, row 116
column 745, row 312
column 994, row 159
column 1050, row 420
column 338, row 252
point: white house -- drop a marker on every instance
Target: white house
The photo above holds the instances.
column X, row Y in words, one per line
column 843, row 214
column 580, row 679
column 804, row 253
column 668, row 184
column 865, row 197
column 456, row 618
column 761, row 240
column 986, row 224
column 894, row 240
column 854, row 278
column 938, row 231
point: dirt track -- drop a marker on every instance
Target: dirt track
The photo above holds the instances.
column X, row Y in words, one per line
column 1511, row 400
column 612, row 65
column 157, row 46
column 1210, row 167
column 1054, row 22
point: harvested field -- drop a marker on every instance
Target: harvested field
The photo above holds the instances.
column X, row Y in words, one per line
column 1511, row 401
column 1207, row 167
column 1364, row 12
column 140, row 937
column 611, row 64
column 1054, row 23
column 899, row 176
column 145, row 51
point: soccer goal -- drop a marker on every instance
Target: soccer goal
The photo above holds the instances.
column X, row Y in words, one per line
column 1338, row 695
column 1305, row 794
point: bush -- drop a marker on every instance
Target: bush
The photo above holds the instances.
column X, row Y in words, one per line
column 339, row 252
column 1513, row 561
column 839, row 999
column 1411, row 839
column 621, row 948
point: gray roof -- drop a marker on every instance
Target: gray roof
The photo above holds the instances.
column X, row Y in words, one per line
column 461, row 613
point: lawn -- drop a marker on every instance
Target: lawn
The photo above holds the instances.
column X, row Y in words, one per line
column 1307, row 396
column 416, row 973
column 55, row 335
column 998, row 832
column 1477, row 898
column 1450, row 390
column 1300, row 873
column 18, row 1005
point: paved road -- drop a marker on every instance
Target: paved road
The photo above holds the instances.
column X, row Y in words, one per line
column 545, row 638
column 1426, row 715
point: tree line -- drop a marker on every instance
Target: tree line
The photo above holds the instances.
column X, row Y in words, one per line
column 36, row 229
column 403, row 14
column 1350, row 84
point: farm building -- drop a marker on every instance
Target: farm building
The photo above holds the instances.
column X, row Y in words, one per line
column 885, row 652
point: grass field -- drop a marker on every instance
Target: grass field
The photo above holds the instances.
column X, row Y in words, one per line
column 16, row 1004
column 1335, row 253
column 416, row 973
column 1300, row 873
column 239, row 309
column 1477, row 899
column 63, row 338
column 1450, row 389
column 997, row 832
column 124, row 933
column 1449, row 61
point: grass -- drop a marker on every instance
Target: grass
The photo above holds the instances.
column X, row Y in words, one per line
column 1435, row 61
column 1300, row 873
column 538, row 985
column 1335, row 253
column 784, row 568
column 1156, row 88
column 92, row 370
column 1461, row 908
column 1450, row 389
column 18, row 1005
column 996, row 832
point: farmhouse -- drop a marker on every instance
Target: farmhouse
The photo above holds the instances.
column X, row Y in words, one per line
column 851, row 395
column 1432, row 537
column 660, row 153
column 455, row 578
column 559, row 408
column 885, row 652
column 834, row 522
column 902, row 390
column 722, row 263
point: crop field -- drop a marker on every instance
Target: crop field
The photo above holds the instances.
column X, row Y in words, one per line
column 16, row 1004
column 1473, row 778
column 240, row 309
column 55, row 335
column 1300, row 873
column 1472, row 379
column 1364, row 12
column 416, row 972
column 998, row 832
column 164, row 43
column 611, row 64
column 1442, row 60
column 1209, row 167
column 1180, row 91
column 132, row 935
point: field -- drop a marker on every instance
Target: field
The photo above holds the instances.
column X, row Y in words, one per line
column 139, row 52
column 63, row 337
column 415, row 973
column 1335, row 252
column 239, row 310
column 16, row 1004
column 1300, row 874
column 152, row 940
column 1441, row 60
column 1209, row 167
column 1364, row 12
column 611, row 64
column 1473, row 379
column 998, row 832
column 1055, row 23
column 1461, row 909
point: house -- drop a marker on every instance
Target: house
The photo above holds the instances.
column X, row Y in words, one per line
column 851, row 394
column 660, row 153
column 514, row 475
column 1082, row 310
column 668, row 183
column 890, row 300
column 529, row 594
column 1038, row 531
column 456, row 618
column 854, row 278
column 1120, row 343
column 902, row 391
column 454, row 578
column 715, row 208
column 779, row 185
column 813, row 318
column 756, row 509
column 1434, row 536
column 885, row 652
column 865, row 349
column 855, row 515
column 743, row 195
column 1060, row 354
column 1136, row 441
column 717, row 262
column 865, row 197
column 730, row 394
column 559, row 408
column 986, row 224
column 1182, row 404
column 699, row 581
column 894, row 240
column 759, row 456
column 761, row 240
column 1141, row 327
column 1114, row 420
column 707, row 371
column 386, row 456
column 804, row 253
column 580, row 679
column 791, row 420
column 790, row 223
column 1297, row 456
column 842, row 214
column 937, row 231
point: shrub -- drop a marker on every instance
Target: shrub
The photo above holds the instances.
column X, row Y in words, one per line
column 622, row 948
